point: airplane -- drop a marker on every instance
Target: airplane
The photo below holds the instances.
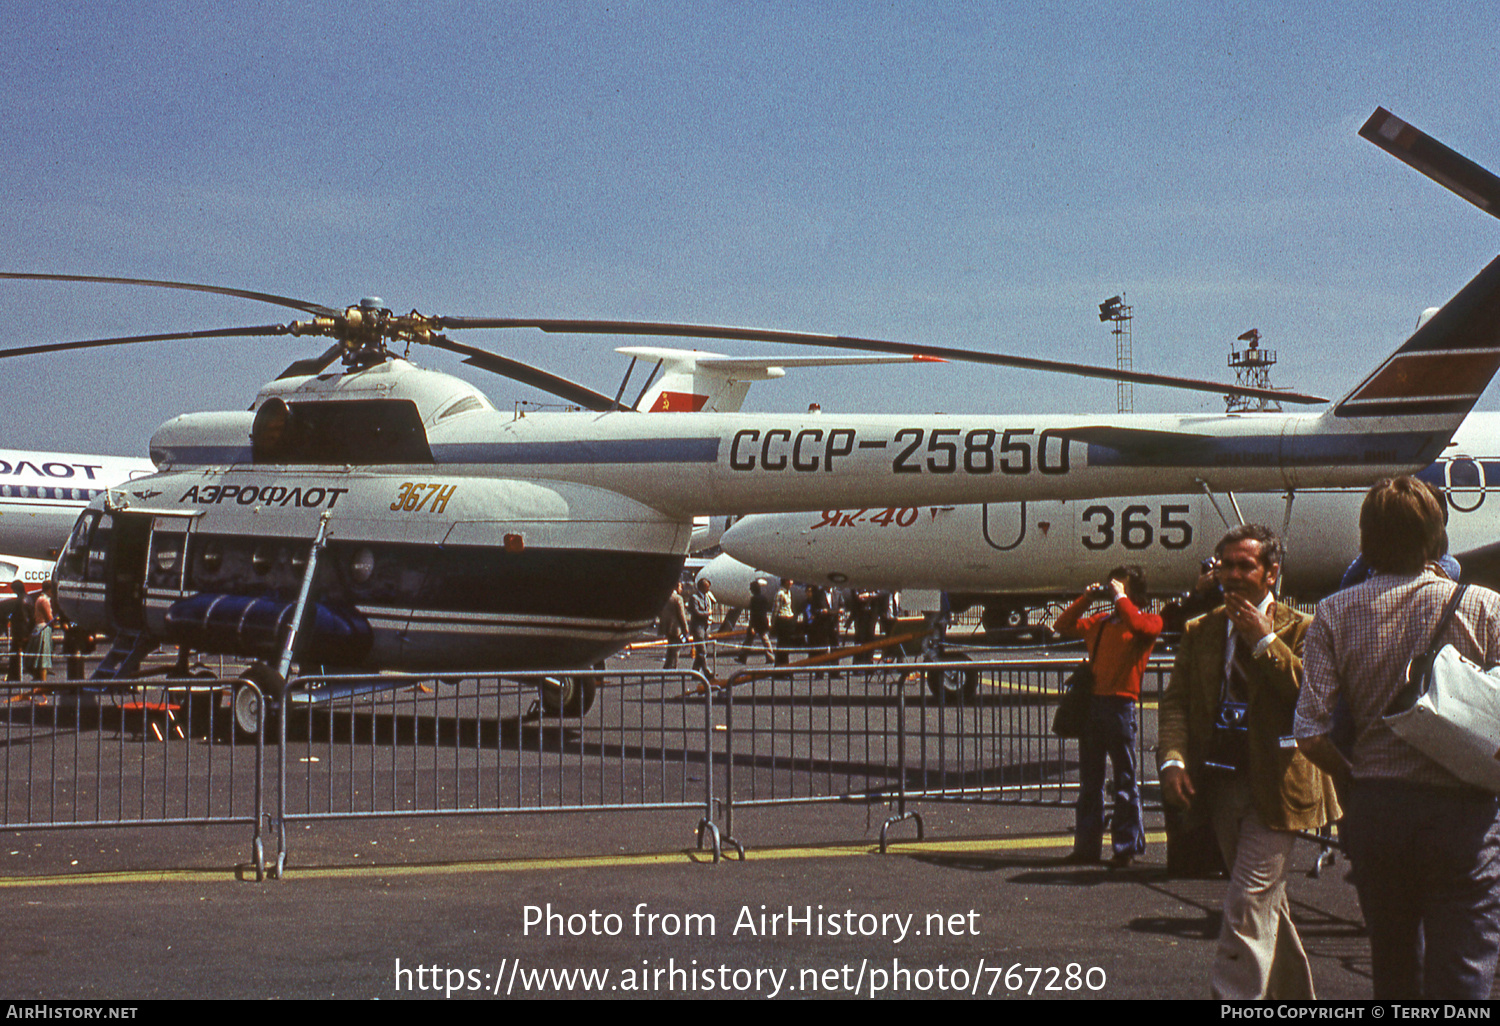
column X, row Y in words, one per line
column 1009, row 555
column 421, row 528
column 32, row 573
column 1001, row 554
column 41, row 494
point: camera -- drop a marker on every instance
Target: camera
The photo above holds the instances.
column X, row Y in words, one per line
column 1229, row 746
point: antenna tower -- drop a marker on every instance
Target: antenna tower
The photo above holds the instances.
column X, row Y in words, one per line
column 1252, row 367
column 1114, row 309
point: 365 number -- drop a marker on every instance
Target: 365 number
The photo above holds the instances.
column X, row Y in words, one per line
column 1135, row 530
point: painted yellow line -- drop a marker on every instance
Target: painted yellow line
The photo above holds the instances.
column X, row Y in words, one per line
column 667, row 858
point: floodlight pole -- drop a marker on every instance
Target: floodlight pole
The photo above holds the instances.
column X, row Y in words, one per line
column 1115, row 309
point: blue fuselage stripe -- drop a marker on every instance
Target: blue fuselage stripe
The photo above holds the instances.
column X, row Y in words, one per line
column 616, row 451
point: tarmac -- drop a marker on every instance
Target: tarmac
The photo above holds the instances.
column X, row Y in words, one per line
column 625, row 905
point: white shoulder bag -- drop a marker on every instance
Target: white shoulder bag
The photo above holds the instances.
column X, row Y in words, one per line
column 1449, row 710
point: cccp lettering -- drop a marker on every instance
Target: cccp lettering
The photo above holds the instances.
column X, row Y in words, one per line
column 765, row 450
column 736, row 461
column 840, row 443
column 811, row 462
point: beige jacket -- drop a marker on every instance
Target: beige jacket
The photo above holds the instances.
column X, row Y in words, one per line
column 1289, row 792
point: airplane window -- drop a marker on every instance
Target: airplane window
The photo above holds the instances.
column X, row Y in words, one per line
column 1463, row 473
column 167, row 553
column 362, row 566
column 211, row 558
column 166, row 559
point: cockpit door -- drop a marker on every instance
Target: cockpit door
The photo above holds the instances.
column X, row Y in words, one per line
column 125, row 582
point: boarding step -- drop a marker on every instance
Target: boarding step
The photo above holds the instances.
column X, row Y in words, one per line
column 125, row 656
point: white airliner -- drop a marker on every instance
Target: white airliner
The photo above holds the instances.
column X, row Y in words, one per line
column 41, row 494
column 1055, row 548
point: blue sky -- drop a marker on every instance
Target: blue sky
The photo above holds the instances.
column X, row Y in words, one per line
column 962, row 174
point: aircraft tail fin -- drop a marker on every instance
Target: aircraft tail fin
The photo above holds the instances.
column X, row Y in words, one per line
column 695, row 381
column 1443, row 368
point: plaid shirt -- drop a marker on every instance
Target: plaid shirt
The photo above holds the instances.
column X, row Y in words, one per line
column 1358, row 648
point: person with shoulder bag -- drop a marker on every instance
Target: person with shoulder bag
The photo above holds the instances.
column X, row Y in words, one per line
column 1424, row 845
column 1120, row 642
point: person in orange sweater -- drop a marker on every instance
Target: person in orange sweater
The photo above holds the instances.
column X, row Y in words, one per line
column 1119, row 642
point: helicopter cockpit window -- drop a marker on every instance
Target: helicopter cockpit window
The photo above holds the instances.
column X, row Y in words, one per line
column 75, row 556
column 358, row 432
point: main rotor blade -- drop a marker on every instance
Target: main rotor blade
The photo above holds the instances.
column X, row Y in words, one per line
column 312, row 365
column 100, row 343
column 1449, row 168
column 262, row 297
column 875, row 346
column 527, row 374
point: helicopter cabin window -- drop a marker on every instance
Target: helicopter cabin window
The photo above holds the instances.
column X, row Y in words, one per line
column 99, row 545
column 164, row 568
column 358, row 432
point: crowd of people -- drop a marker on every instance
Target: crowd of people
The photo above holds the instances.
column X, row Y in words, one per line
column 1273, row 724
column 804, row 619
column 29, row 622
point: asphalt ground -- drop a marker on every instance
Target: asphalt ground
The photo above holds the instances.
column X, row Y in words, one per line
column 624, row 904
column 476, row 908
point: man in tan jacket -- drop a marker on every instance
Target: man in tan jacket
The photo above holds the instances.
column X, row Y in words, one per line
column 1227, row 753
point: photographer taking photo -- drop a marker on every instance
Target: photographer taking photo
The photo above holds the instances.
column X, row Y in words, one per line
column 1119, row 643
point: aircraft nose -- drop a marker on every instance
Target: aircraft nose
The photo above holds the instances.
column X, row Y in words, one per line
column 748, row 539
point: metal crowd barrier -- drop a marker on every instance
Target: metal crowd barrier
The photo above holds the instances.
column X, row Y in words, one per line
column 76, row 756
column 971, row 731
column 350, row 748
column 389, row 746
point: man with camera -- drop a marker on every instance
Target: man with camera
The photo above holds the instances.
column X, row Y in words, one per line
column 1227, row 753
column 1119, row 643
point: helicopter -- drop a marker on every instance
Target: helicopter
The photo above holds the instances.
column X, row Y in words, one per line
column 386, row 516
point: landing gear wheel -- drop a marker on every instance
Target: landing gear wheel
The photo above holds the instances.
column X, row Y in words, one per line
column 248, row 705
column 953, row 684
column 251, row 704
column 570, row 696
